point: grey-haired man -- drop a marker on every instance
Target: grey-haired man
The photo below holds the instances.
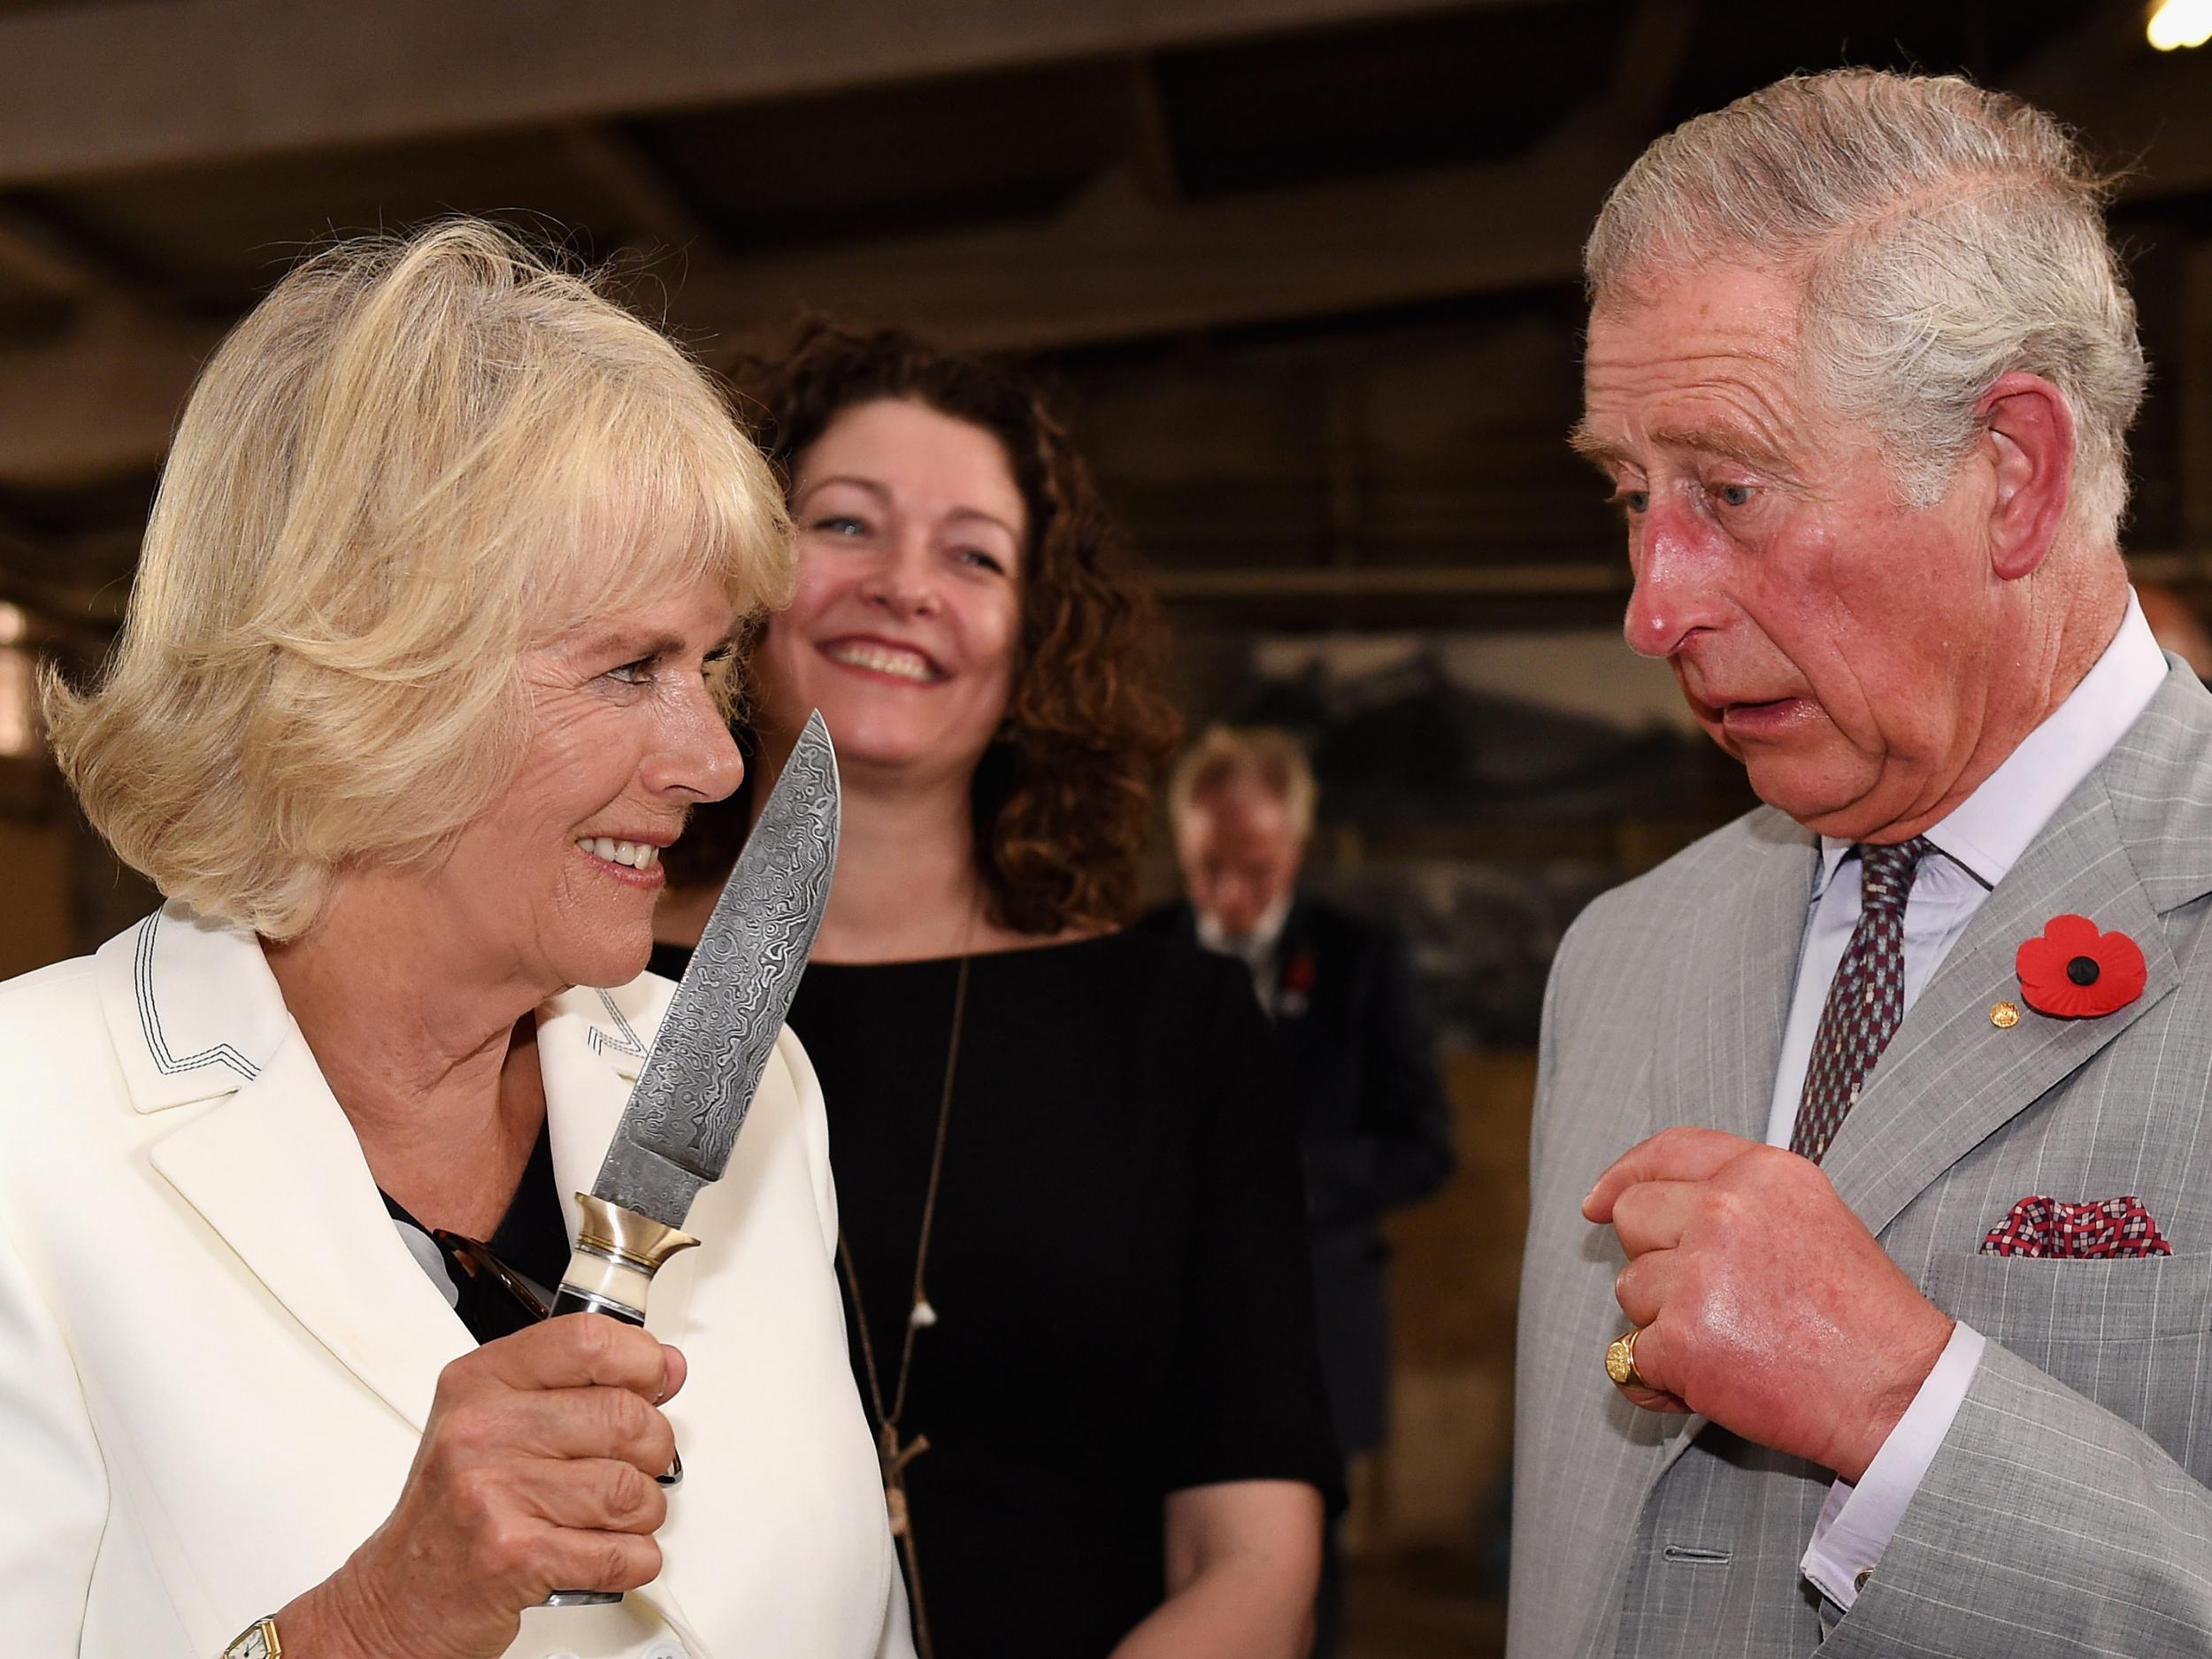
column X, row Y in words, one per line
column 1867, row 1302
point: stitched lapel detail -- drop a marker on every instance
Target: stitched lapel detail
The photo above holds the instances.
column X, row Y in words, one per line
column 191, row 1005
column 612, row 1036
column 588, row 1054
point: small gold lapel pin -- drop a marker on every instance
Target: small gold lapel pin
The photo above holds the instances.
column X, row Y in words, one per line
column 2004, row 1016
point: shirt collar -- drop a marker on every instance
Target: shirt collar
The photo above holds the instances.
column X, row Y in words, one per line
column 1986, row 833
column 1251, row 947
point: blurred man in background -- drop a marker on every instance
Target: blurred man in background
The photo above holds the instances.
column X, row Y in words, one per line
column 1359, row 1056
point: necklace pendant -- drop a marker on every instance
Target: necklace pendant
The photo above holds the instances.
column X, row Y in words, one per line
column 923, row 1317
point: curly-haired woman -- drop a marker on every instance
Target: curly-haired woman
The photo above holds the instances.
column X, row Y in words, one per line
column 1072, row 1228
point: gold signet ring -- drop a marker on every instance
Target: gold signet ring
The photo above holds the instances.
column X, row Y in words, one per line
column 1620, row 1360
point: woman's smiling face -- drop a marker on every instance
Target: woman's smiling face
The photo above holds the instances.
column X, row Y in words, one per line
column 906, row 621
column 554, row 883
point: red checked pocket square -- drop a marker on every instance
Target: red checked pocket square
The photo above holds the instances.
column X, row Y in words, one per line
column 2096, row 1231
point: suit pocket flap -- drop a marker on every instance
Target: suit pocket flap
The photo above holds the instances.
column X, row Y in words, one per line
column 2033, row 1305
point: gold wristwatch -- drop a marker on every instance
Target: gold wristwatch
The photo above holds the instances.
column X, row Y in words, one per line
column 257, row 1640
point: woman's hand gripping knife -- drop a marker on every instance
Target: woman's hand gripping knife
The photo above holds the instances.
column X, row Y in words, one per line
column 537, row 1472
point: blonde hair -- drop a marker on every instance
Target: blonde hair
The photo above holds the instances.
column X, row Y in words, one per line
column 1946, row 236
column 1253, row 756
column 413, row 461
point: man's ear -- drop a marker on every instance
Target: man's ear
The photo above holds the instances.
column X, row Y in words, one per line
column 2029, row 445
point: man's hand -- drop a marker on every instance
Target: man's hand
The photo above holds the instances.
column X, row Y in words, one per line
column 1764, row 1303
column 535, row 1473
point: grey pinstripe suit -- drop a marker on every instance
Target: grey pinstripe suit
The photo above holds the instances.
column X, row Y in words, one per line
column 2068, row 1511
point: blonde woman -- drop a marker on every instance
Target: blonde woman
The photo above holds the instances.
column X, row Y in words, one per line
column 420, row 677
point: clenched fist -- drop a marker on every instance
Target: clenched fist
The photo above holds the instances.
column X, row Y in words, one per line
column 1763, row 1302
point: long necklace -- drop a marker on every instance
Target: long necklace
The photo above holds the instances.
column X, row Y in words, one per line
column 893, row 1453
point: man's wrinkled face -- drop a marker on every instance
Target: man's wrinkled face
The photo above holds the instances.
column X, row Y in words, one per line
column 1834, row 640
column 1239, row 854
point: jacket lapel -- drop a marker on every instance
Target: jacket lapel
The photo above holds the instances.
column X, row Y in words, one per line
column 263, row 1153
column 276, row 1170
column 2131, row 843
column 1720, row 1031
column 1954, row 1076
column 1722, row 1036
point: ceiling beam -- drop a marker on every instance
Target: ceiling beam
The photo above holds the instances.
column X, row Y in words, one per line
column 1122, row 264
column 97, row 401
column 1119, row 264
column 1547, row 579
column 613, row 164
column 32, row 254
column 121, row 87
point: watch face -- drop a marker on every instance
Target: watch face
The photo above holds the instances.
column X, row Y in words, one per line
column 253, row 1645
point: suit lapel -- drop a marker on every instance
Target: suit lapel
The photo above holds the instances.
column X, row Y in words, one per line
column 274, row 1166
column 266, row 1155
column 1730, row 996
column 1953, row 1077
column 1724, row 1013
column 2132, row 843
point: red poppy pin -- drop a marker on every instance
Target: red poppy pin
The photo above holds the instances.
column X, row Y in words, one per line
column 1298, row 973
column 2073, row 971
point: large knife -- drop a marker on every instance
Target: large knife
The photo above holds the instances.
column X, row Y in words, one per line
column 691, row 1099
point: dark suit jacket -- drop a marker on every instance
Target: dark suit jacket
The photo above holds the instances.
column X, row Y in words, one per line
column 1359, row 1057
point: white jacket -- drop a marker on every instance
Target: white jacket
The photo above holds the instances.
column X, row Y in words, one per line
column 217, row 1355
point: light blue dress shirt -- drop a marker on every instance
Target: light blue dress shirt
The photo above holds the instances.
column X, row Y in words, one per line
column 1972, row 850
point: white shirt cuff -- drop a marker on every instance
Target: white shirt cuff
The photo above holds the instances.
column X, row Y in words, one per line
column 1857, row 1523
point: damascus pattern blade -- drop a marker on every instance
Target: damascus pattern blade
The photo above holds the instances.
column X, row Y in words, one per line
column 691, row 1099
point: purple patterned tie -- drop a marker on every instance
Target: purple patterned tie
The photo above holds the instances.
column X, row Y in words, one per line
column 1866, row 1000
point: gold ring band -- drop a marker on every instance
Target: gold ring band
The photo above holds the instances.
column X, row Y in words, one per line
column 1620, row 1360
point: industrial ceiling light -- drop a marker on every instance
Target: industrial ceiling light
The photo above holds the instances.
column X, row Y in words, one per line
column 2179, row 23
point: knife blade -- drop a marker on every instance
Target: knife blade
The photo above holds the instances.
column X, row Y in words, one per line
column 698, row 1085
column 692, row 1097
